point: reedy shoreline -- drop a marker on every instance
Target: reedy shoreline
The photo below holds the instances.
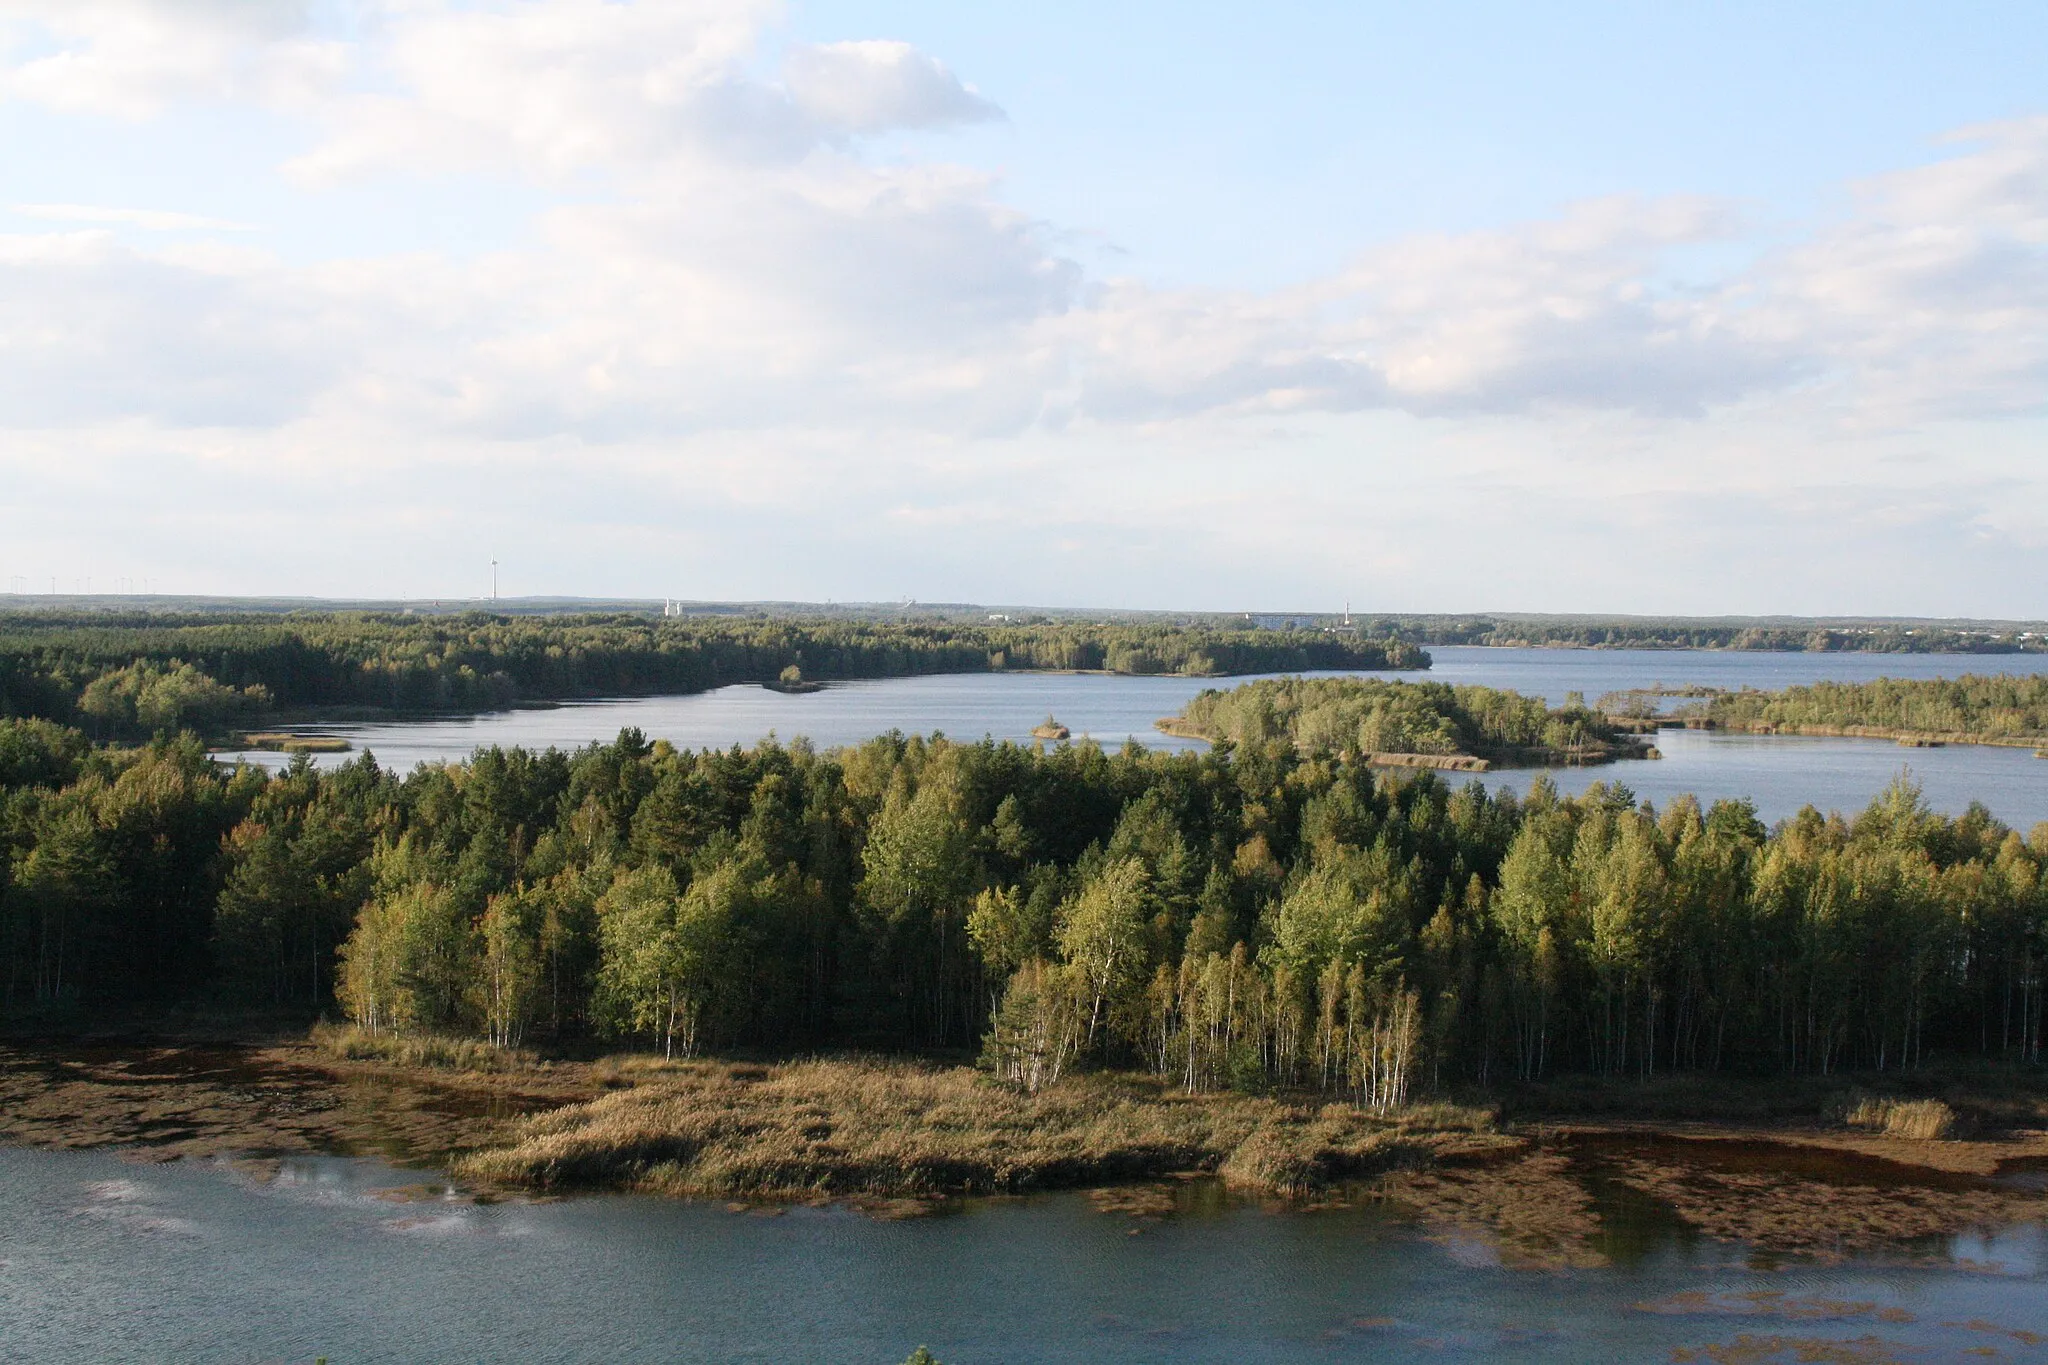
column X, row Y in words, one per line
column 892, row 1129
column 1809, row 1167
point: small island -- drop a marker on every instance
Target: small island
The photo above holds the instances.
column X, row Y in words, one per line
column 1051, row 729
column 284, row 742
column 1408, row 725
column 792, row 680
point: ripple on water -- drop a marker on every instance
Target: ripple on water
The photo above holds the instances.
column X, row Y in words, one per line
column 357, row 1260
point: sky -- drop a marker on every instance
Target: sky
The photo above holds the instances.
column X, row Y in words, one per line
column 1715, row 309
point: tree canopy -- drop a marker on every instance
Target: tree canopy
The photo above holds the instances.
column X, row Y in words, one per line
column 1268, row 915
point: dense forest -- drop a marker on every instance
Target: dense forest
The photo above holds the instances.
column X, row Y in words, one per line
column 1355, row 717
column 2000, row 706
column 131, row 677
column 1593, row 632
column 1245, row 918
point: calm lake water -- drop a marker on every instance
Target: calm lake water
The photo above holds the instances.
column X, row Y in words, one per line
column 1780, row 775
column 103, row 1259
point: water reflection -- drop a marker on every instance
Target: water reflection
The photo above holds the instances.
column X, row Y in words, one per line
column 359, row 1262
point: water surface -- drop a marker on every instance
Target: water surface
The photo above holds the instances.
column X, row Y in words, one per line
column 112, row 1260
column 1779, row 774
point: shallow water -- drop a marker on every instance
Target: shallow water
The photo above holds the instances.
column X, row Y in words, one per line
column 1779, row 774
column 111, row 1260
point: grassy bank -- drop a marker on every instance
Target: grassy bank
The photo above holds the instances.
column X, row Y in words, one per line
column 894, row 1129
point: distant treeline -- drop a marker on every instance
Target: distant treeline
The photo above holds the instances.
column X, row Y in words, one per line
column 1251, row 918
column 1996, row 707
column 1595, row 633
column 135, row 676
column 1350, row 717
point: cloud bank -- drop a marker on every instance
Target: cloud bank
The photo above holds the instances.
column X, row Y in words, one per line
column 725, row 260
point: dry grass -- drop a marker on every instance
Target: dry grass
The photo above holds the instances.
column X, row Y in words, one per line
column 852, row 1128
column 278, row 742
column 422, row 1051
column 1917, row 1120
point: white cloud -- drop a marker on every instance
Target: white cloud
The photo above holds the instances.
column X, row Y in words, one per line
column 93, row 331
column 736, row 299
column 748, row 268
column 873, row 87
column 827, row 291
column 553, row 87
column 150, row 220
column 1929, row 297
column 133, row 58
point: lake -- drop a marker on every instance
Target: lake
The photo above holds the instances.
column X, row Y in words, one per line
column 1779, row 774
column 114, row 1260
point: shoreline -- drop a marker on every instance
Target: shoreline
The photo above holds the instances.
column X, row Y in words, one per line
column 1906, row 738
column 901, row 1138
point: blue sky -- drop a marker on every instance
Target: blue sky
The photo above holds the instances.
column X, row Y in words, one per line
column 1730, row 308
column 1250, row 145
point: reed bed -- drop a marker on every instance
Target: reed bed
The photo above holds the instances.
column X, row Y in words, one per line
column 425, row 1051
column 843, row 1128
column 1918, row 1120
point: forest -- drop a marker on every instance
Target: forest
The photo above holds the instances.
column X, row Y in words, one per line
column 131, row 677
column 2009, row 707
column 1264, row 916
column 1814, row 636
column 1356, row 717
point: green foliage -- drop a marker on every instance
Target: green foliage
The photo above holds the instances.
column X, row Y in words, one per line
column 148, row 698
column 1680, row 633
column 1353, row 716
column 2001, row 706
column 141, row 674
column 38, row 753
column 1262, row 917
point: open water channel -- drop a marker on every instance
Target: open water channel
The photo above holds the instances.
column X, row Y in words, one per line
column 1780, row 774
column 105, row 1259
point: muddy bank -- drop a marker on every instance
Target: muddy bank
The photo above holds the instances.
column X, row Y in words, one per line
column 1577, row 1197
column 896, row 1136
column 189, row 1100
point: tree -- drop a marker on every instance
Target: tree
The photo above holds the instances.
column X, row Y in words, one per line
column 1102, row 933
column 506, row 975
column 918, row 871
column 1037, row 1028
column 1530, row 908
column 371, row 981
column 645, row 974
column 68, row 887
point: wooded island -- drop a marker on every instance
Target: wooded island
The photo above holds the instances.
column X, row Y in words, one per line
column 1399, row 724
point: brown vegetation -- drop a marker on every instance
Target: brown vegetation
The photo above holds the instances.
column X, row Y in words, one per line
column 194, row 1100
column 1533, row 1210
column 286, row 742
column 1767, row 1198
column 1917, row 1120
column 1804, row 1173
column 842, row 1128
